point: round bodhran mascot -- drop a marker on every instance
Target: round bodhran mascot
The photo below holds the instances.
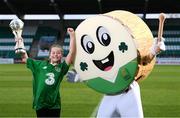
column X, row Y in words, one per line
column 113, row 51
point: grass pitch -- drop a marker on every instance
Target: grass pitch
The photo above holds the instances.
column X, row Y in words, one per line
column 160, row 94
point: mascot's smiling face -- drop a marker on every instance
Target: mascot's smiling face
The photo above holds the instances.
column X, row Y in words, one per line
column 104, row 39
column 104, row 45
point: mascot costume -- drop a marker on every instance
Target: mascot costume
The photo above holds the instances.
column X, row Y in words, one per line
column 114, row 51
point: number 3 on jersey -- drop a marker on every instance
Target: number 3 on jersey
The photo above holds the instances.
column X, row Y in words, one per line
column 50, row 79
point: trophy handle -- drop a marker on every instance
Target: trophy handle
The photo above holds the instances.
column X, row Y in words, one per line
column 17, row 34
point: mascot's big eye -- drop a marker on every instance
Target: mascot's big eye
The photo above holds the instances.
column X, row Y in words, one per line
column 87, row 44
column 102, row 35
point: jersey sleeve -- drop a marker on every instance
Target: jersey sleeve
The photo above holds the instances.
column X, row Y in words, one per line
column 32, row 64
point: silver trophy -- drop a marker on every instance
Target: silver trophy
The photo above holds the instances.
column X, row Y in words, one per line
column 16, row 26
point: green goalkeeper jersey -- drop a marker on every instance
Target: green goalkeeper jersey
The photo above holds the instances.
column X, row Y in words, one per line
column 46, row 82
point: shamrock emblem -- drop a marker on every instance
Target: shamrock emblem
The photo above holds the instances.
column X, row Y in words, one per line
column 123, row 47
column 83, row 66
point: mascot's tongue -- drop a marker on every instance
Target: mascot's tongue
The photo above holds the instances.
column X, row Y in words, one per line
column 107, row 68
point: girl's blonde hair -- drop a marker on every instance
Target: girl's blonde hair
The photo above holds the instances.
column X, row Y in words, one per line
column 56, row 45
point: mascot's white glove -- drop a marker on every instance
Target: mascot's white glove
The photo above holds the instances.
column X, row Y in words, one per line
column 157, row 47
column 72, row 76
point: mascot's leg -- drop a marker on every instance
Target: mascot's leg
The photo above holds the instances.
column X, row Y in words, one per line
column 126, row 104
column 107, row 107
column 129, row 104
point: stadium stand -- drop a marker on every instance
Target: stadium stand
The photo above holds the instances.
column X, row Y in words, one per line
column 45, row 37
column 44, row 44
column 172, row 35
column 39, row 38
column 66, row 45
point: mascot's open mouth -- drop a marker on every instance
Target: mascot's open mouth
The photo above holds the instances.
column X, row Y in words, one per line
column 105, row 64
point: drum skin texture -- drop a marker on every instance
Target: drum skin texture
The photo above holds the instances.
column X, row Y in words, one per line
column 112, row 50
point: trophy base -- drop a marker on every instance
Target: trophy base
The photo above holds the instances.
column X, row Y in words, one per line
column 20, row 50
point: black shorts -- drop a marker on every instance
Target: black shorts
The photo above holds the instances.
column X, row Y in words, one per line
column 48, row 113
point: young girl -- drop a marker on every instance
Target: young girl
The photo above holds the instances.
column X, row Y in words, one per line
column 47, row 76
